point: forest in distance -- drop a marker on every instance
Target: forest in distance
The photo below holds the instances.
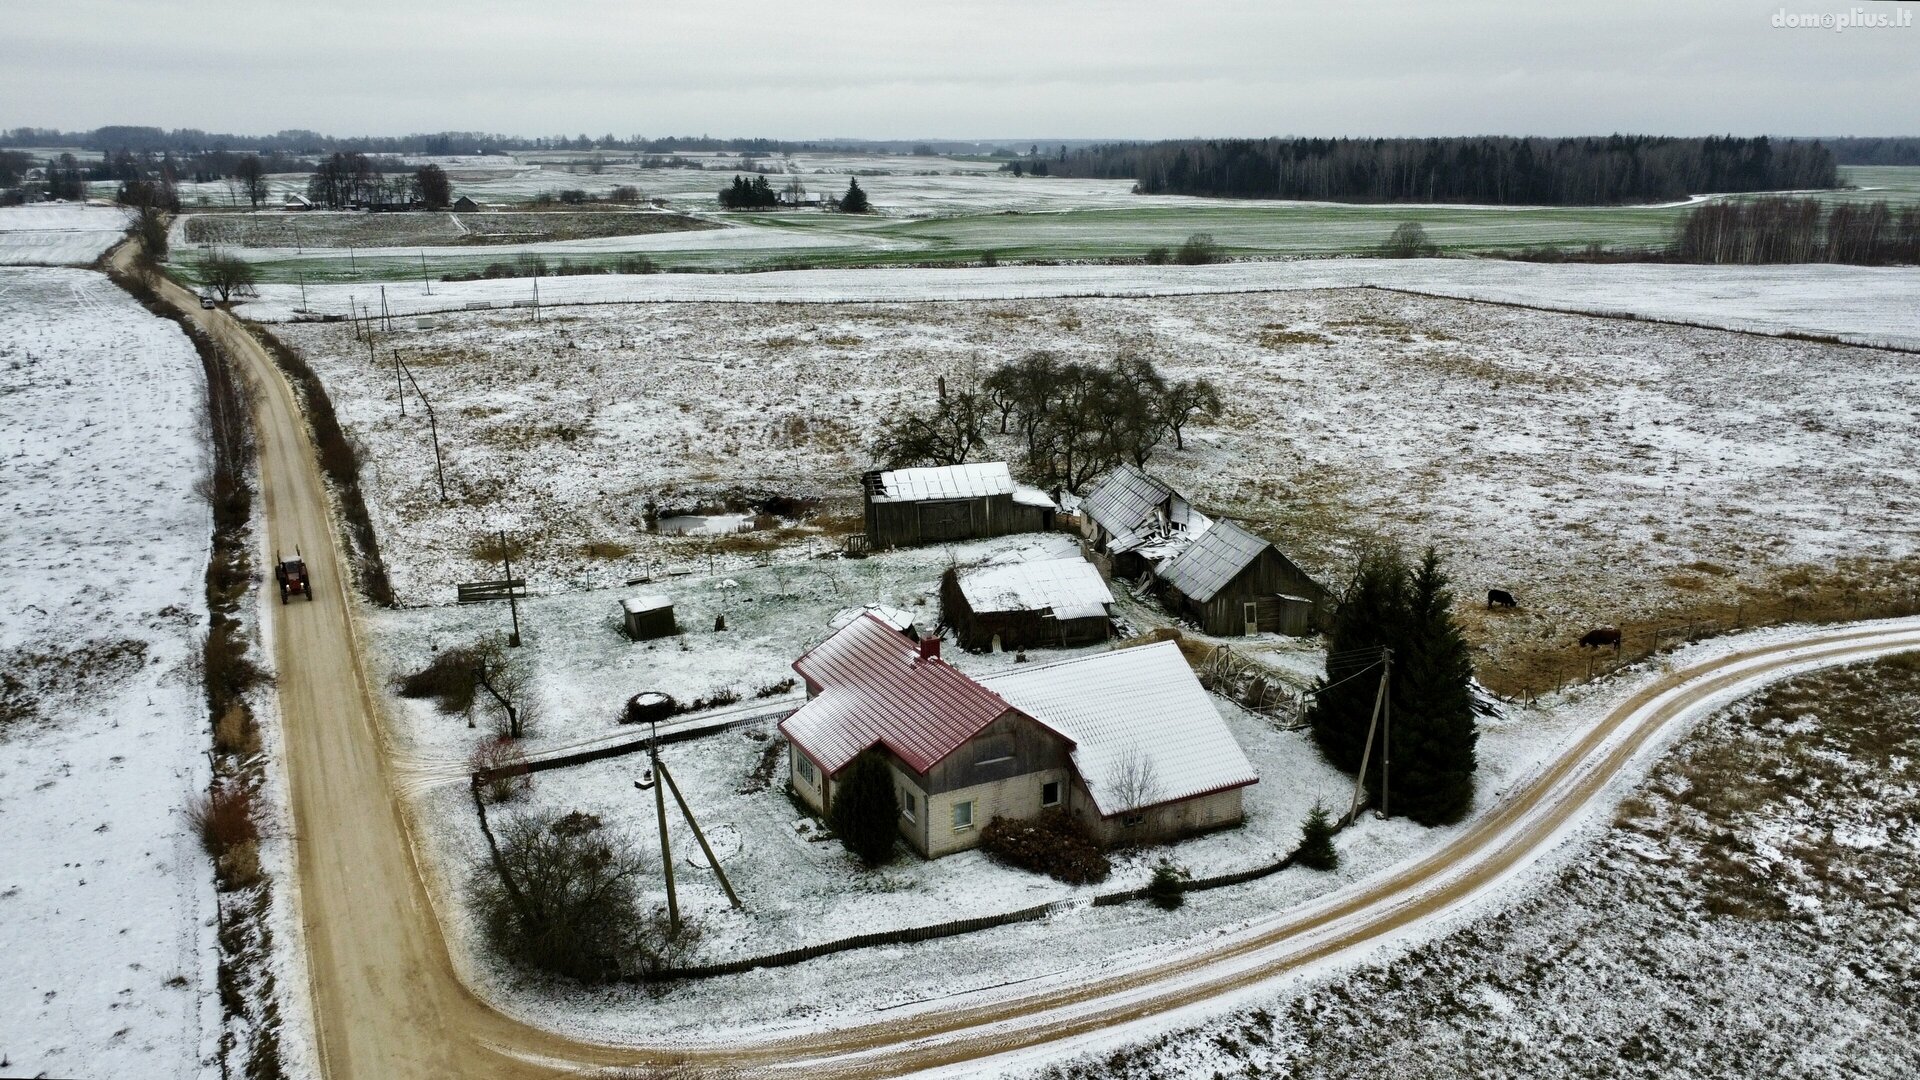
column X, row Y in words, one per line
column 1497, row 171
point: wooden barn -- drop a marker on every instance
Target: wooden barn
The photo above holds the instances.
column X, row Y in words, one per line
column 1137, row 520
column 1025, row 605
column 908, row 507
column 465, row 205
column 1231, row 582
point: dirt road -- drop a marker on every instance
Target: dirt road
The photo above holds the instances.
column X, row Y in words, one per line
column 388, row 1004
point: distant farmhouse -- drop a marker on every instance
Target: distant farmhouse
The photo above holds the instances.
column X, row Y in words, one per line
column 907, row 507
column 465, row 204
column 1230, row 582
column 1223, row 578
column 1136, row 520
column 1126, row 741
column 1024, row 604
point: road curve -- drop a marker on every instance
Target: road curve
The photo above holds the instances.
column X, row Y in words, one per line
column 389, row 1005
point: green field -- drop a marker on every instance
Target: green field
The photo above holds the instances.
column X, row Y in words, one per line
column 964, row 217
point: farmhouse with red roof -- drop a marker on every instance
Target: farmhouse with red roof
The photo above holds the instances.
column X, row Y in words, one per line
column 1126, row 741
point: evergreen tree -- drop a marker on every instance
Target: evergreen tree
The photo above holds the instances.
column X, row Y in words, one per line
column 1316, row 850
column 1371, row 616
column 865, row 809
column 1433, row 714
column 855, row 200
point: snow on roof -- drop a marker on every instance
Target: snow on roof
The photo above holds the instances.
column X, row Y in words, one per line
column 971, row 481
column 876, row 688
column 1144, row 730
column 1033, row 496
column 1124, row 499
column 1070, row 588
column 1210, row 562
column 639, row 604
column 895, row 617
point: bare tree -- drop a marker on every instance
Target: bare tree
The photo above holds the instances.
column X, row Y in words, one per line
column 509, row 682
column 228, row 275
column 1134, row 783
column 563, row 895
column 252, row 177
column 1409, row 241
column 948, row 434
column 1186, row 401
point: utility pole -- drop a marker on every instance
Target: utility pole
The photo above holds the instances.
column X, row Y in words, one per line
column 386, row 317
column 303, row 291
column 513, row 605
column 1366, row 755
column 660, row 771
column 660, row 812
column 536, row 298
column 433, row 427
column 399, row 388
column 1386, row 734
column 423, row 272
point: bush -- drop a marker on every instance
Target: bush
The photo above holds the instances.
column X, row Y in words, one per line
column 1198, row 250
column 865, row 809
column 563, row 898
column 1158, row 256
column 448, row 679
column 1316, row 850
column 1055, row 844
column 1164, row 889
column 505, row 767
column 1409, row 241
column 224, row 818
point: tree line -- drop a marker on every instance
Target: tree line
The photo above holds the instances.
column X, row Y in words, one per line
column 1498, row 171
column 1071, row 421
column 345, row 180
column 1780, row 230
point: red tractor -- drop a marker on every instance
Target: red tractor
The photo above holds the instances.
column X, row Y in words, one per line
column 292, row 576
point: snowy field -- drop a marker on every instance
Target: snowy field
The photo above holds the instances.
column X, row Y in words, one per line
column 106, row 901
column 1860, row 304
column 1606, row 471
column 1724, row 925
column 58, row 234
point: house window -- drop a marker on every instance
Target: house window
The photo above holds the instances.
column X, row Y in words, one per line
column 963, row 816
column 1050, row 793
column 1133, row 821
column 909, row 806
column 805, row 768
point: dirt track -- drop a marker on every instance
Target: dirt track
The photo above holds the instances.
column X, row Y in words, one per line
column 389, row 1005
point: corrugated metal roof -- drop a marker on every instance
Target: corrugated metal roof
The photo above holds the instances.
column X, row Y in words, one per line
column 1124, row 499
column 971, row 481
column 895, row 617
column 1144, row 730
column 1070, row 588
column 876, row 689
column 1213, row 560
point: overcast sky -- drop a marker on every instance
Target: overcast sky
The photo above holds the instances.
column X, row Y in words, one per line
column 985, row 69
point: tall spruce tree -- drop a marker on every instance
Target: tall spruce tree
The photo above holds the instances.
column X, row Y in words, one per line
column 1431, row 719
column 1433, row 716
column 1370, row 616
column 855, row 200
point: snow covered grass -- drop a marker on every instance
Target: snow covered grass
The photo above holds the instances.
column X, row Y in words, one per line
column 58, row 234
column 948, row 211
column 106, row 901
column 1859, row 304
column 1749, row 912
column 1607, row 472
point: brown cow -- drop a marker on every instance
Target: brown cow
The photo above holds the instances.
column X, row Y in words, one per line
column 1605, row 635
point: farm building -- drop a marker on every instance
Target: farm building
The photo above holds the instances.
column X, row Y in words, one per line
column 1231, row 582
column 1027, row 604
column 465, row 204
column 1127, row 741
column 906, row 507
column 898, row 618
column 296, row 202
column 1138, row 521
column 648, row 617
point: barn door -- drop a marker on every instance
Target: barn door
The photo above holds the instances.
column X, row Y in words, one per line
column 946, row 521
column 1250, row 614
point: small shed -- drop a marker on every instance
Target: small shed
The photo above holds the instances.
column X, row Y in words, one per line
column 1021, row 605
column 936, row 504
column 296, row 202
column 1232, row 582
column 465, row 204
column 648, row 617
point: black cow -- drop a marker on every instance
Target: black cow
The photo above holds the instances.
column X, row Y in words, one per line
column 1501, row 597
column 1605, row 635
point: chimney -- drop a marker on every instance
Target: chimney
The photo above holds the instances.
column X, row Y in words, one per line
column 929, row 648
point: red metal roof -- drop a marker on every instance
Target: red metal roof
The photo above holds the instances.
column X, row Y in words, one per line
column 876, row 689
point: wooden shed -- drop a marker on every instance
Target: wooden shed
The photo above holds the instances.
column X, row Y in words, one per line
column 1029, row 604
column 648, row 617
column 908, row 507
column 465, row 205
column 1137, row 520
column 1232, row 582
